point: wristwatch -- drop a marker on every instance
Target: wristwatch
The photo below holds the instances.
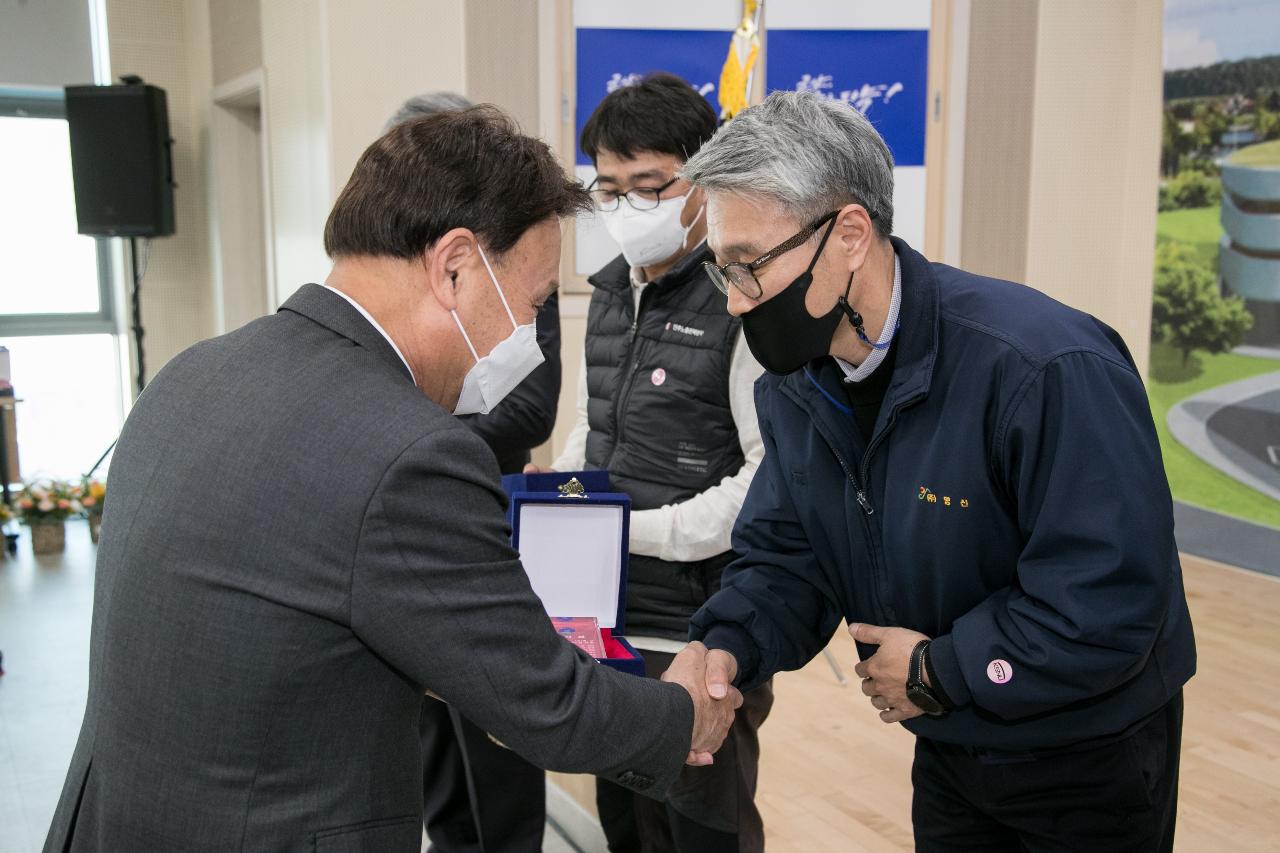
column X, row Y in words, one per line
column 921, row 695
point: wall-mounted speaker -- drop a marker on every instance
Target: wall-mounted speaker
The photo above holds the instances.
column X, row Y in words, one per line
column 121, row 160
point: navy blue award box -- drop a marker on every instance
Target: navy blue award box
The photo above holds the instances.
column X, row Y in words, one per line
column 573, row 541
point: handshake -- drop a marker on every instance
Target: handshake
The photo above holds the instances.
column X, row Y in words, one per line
column 708, row 676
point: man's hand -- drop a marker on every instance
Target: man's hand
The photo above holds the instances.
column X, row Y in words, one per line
column 538, row 469
column 704, row 675
column 884, row 674
column 722, row 669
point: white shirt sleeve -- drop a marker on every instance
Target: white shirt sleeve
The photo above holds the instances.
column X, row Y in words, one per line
column 574, row 455
column 699, row 527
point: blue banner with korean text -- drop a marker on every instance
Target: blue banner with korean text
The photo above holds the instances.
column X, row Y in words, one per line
column 883, row 74
column 608, row 59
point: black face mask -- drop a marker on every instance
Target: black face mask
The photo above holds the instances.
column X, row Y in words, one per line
column 783, row 335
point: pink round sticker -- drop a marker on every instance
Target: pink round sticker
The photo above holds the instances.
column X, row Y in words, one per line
column 659, row 376
column 999, row 671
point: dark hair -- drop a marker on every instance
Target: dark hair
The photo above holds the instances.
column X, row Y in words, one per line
column 459, row 169
column 661, row 113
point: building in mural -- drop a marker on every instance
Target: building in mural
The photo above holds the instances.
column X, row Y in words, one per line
column 1249, row 260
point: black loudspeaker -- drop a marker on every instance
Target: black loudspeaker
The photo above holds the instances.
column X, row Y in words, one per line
column 121, row 160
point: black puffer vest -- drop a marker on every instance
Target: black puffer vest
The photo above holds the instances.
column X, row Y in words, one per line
column 661, row 424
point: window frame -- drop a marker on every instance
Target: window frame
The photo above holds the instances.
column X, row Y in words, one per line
column 46, row 102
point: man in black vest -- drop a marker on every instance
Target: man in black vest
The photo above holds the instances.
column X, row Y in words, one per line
column 666, row 405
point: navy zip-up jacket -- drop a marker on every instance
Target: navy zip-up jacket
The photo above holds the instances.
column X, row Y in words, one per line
column 1011, row 503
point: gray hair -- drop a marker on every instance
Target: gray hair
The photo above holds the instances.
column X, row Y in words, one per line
column 809, row 153
column 426, row 105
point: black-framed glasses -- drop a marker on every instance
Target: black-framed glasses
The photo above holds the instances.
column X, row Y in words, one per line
column 640, row 198
column 743, row 275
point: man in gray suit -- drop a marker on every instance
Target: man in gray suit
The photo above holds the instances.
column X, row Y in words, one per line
column 302, row 538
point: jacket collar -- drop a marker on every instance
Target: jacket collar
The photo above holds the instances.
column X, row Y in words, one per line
column 336, row 314
column 817, row 385
column 615, row 276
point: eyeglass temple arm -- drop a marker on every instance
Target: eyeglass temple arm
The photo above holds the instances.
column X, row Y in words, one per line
column 795, row 241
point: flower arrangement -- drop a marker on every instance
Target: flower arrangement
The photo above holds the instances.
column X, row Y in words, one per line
column 92, row 494
column 48, row 502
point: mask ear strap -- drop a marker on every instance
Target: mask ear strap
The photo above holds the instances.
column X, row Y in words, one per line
column 822, row 245
column 855, row 319
column 465, row 336
column 685, row 242
column 493, row 278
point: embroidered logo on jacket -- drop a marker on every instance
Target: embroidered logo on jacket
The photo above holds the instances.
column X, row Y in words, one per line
column 685, row 330
column 927, row 496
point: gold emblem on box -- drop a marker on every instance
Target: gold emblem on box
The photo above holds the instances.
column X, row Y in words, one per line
column 573, row 489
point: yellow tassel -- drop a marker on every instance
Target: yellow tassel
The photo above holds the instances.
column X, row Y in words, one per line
column 735, row 77
column 733, row 81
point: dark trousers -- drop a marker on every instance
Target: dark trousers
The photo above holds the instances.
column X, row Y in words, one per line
column 478, row 797
column 709, row 809
column 1120, row 796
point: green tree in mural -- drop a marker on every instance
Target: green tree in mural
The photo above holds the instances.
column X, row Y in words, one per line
column 1174, row 145
column 1267, row 124
column 1187, row 308
column 1193, row 188
column 1211, row 123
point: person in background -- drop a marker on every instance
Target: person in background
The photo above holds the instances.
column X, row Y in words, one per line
column 967, row 472
column 665, row 405
column 477, row 794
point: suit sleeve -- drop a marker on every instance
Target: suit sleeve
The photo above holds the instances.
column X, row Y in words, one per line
column 775, row 610
column 438, row 592
column 1080, row 458
column 525, row 417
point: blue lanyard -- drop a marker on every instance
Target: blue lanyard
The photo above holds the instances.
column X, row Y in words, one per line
column 862, row 335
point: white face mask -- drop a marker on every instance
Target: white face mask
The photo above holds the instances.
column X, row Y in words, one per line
column 495, row 375
column 649, row 237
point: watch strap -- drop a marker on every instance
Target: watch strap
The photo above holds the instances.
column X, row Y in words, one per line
column 914, row 669
column 915, row 680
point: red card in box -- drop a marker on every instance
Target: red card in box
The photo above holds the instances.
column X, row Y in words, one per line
column 574, row 550
column 582, row 631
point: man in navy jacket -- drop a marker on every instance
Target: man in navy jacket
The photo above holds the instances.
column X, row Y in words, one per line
column 967, row 472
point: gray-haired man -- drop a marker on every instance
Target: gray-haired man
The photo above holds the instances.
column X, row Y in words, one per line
column 967, row 472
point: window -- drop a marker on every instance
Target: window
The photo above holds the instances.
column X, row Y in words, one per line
column 52, row 280
column 71, row 407
column 57, row 310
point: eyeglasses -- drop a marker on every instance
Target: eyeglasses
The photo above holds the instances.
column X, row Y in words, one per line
column 640, row 198
column 743, row 275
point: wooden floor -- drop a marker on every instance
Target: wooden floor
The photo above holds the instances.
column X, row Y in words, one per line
column 834, row 778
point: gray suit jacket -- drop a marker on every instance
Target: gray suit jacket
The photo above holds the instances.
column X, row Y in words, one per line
column 296, row 544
